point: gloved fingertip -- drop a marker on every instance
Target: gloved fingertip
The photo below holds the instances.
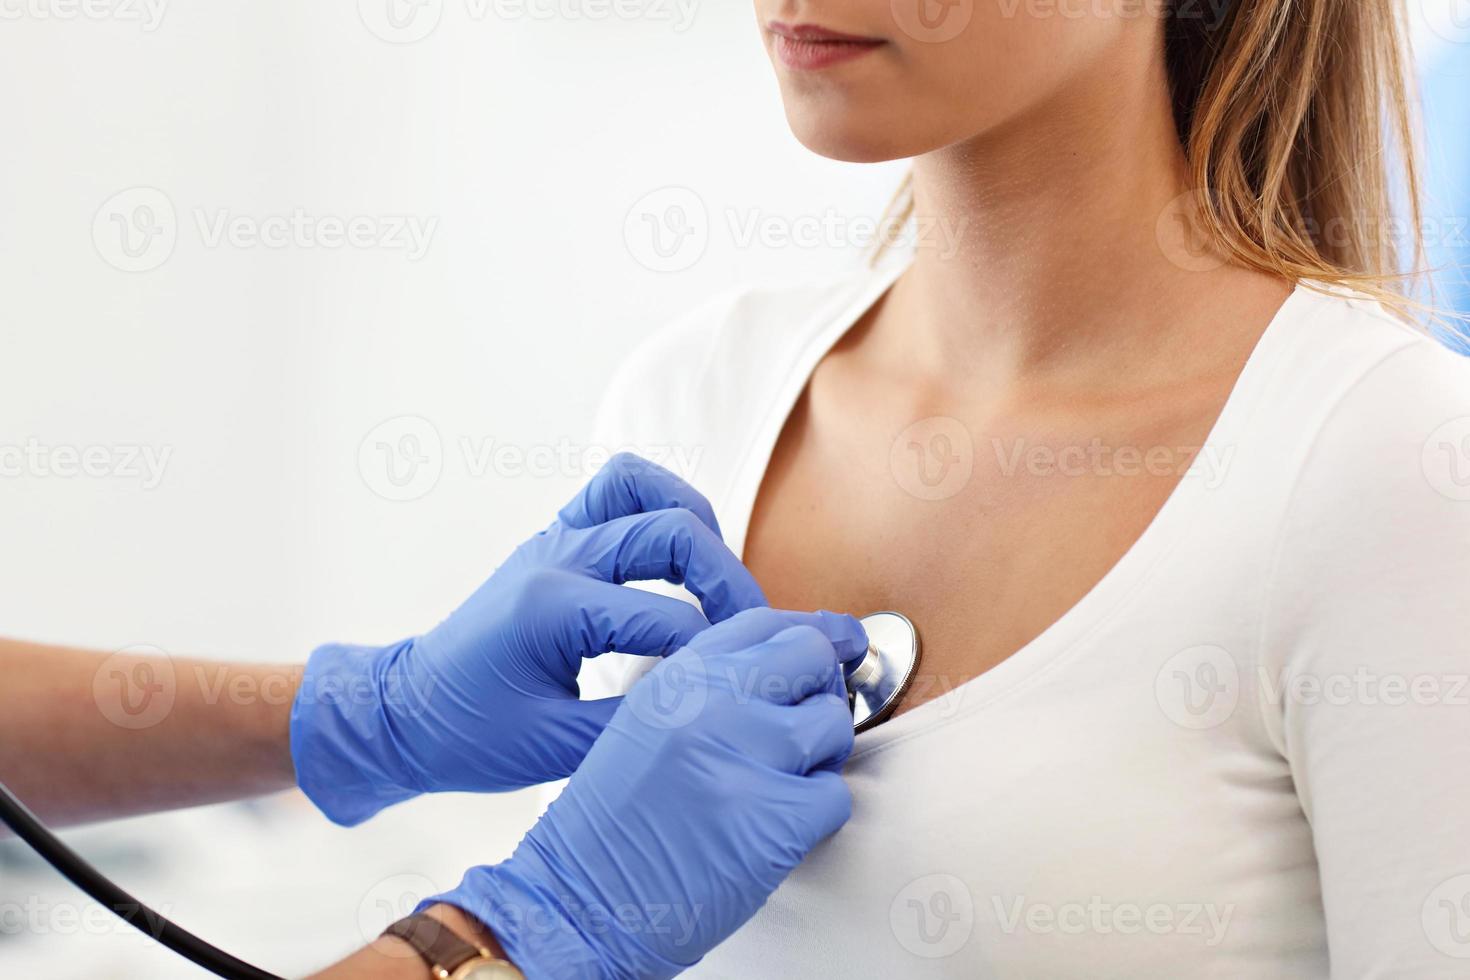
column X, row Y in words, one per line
column 835, row 800
column 572, row 515
column 848, row 637
column 735, row 595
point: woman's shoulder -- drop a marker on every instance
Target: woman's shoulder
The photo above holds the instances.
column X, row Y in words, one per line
column 1384, row 368
column 714, row 367
column 1365, row 568
column 1379, row 415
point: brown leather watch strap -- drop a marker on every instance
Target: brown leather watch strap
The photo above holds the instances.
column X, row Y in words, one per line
column 436, row 943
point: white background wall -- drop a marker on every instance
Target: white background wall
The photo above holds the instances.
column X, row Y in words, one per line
column 527, row 142
column 261, row 370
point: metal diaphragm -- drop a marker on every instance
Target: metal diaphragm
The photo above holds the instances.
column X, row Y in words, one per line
column 876, row 683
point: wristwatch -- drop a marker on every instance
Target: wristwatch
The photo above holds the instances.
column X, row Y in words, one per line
column 450, row 957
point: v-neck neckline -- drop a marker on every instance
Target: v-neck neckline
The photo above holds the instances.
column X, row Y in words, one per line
column 828, row 326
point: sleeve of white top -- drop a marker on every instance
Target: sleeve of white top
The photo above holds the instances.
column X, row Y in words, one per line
column 651, row 381
column 646, row 389
column 1367, row 639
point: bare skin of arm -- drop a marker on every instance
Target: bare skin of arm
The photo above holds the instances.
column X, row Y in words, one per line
column 91, row 736
column 393, row 959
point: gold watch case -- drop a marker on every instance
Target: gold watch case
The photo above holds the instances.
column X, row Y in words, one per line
column 483, row 969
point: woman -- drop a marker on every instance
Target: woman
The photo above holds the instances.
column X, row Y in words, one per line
column 1173, row 491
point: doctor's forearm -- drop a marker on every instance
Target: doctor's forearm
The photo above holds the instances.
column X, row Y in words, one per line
column 86, row 735
column 393, row 959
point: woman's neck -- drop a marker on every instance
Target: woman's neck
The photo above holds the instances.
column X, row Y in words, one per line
column 1054, row 266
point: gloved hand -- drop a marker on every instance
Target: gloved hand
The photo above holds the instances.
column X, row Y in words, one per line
column 488, row 699
column 713, row 780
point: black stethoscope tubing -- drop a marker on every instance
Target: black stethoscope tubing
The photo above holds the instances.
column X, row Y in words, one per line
column 18, row 817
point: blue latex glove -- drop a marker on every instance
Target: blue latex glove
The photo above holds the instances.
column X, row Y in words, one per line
column 488, row 700
column 714, row 779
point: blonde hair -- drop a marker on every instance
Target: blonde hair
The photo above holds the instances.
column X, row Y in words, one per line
column 1295, row 119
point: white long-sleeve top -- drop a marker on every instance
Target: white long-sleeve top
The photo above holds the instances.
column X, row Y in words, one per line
column 1245, row 753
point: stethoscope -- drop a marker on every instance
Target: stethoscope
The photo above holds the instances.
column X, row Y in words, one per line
column 878, row 682
column 875, row 685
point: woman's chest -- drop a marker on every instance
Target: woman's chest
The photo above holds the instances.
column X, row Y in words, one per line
column 983, row 532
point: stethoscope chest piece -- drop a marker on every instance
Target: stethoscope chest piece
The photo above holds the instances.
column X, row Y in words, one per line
column 877, row 683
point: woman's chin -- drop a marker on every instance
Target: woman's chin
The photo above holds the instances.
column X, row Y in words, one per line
column 851, row 141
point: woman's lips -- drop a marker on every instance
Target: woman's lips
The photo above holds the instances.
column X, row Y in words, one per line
column 807, row 47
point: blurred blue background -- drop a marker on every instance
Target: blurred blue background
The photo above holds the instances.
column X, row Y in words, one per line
column 1443, row 45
